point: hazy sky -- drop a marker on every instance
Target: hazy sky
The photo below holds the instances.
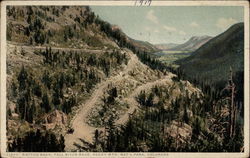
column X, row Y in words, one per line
column 170, row 24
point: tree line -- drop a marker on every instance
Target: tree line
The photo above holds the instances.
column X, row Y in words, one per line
column 37, row 141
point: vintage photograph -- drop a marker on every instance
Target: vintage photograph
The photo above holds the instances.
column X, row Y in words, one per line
column 114, row 78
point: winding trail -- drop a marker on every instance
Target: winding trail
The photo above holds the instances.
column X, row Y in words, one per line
column 53, row 48
column 131, row 100
column 82, row 130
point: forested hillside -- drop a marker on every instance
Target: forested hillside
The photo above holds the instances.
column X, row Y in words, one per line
column 71, row 27
column 78, row 83
column 212, row 63
column 213, row 60
column 56, row 56
column 218, row 69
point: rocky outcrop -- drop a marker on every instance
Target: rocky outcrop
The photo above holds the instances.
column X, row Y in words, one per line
column 180, row 131
column 55, row 118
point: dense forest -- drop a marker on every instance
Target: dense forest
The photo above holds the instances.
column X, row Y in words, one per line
column 35, row 141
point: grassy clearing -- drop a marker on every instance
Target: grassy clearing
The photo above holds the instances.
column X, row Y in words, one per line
column 169, row 57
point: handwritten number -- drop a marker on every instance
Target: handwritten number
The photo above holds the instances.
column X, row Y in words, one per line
column 145, row 2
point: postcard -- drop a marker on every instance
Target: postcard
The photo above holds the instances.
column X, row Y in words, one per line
column 136, row 78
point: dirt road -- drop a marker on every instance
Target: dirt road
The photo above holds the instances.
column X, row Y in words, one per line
column 81, row 128
column 79, row 124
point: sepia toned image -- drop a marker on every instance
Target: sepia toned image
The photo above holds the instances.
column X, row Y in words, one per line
column 125, row 78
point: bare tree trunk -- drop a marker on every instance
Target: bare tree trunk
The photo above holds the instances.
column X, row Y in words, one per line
column 234, row 119
column 232, row 107
column 177, row 135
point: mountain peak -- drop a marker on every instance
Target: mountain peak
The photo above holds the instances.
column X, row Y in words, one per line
column 200, row 37
column 194, row 43
column 207, row 60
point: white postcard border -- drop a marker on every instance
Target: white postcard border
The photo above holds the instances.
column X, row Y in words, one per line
column 122, row 154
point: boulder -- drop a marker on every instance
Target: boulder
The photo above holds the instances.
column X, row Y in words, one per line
column 55, row 118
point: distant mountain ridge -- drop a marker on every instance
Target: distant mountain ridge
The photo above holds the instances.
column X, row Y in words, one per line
column 213, row 60
column 192, row 44
column 166, row 46
column 144, row 45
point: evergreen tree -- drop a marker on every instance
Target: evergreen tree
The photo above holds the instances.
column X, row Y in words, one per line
column 45, row 103
column 22, row 78
column 29, row 19
column 35, row 141
column 185, row 114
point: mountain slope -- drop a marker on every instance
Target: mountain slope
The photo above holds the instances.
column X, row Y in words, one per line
column 64, row 26
column 69, row 70
column 91, row 107
column 145, row 46
column 78, row 83
column 192, row 44
column 166, row 46
column 213, row 60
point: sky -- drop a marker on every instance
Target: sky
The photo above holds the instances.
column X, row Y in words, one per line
column 170, row 24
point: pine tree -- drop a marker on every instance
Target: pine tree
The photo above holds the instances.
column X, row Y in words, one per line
column 111, row 141
column 65, row 37
column 149, row 101
column 56, row 96
column 185, row 114
column 232, row 107
column 29, row 10
column 45, row 103
column 29, row 19
column 31, row 40
column 37, row 89
column 61, row 143
column 142, row 98
column 46, row 79
column 22, row 78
